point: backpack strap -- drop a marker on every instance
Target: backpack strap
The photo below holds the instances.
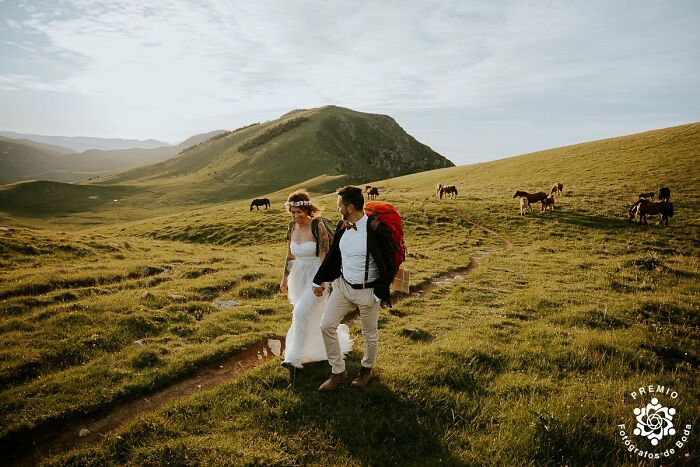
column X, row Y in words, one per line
column 372, row 223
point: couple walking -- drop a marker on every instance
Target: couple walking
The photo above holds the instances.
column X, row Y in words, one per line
column 325, row 280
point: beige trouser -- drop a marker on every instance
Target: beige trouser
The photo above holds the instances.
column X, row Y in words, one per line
column 342, row 301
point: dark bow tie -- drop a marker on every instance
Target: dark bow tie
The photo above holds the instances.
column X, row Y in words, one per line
column 349, row 225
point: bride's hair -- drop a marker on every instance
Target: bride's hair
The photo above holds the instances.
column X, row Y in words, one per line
column 301, row 200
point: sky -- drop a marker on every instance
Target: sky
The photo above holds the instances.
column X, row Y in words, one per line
column 474, row 80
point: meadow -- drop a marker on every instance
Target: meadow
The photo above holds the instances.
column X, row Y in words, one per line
column 528, row 360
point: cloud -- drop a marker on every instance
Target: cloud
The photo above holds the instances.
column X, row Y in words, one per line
column 182, row 64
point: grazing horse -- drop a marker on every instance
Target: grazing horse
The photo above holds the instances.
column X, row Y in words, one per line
column 531, row 197
column 644, row 208
column 448, row 190
column 645, row 195
column 557, row 188
column 257, row 202
column 372, row 192
column 548, row 202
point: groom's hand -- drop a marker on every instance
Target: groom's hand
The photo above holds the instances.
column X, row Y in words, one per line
column 318, row 291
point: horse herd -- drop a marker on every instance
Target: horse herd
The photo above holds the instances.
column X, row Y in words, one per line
column 547, row 200
column 643, row 207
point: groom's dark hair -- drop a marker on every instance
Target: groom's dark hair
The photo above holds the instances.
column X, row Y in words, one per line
column 352, row 195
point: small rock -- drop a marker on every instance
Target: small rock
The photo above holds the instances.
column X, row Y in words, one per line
column 177, row 297
column 83, row 432
column 459, row 278
column 275, row 346
column 225, row 304
column 199, row 386
column 139, row 343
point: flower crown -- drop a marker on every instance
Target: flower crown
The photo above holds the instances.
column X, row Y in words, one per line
column 297, row 203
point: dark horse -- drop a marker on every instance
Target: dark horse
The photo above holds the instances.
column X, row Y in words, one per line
column 372, row 192
column 448, row 190
column 644, row 208
column 257, row 202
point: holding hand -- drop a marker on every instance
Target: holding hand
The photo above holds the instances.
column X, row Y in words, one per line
column 318, row 291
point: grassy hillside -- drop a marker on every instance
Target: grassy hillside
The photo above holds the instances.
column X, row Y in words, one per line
column 527, row 361
column 17, row 159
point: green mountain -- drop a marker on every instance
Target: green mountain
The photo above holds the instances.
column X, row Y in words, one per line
column 331, row 144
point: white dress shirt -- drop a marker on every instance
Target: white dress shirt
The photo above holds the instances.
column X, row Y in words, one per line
column 353, row 254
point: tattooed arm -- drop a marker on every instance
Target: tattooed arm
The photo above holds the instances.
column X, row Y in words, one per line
column 324, row 241
column 287, row 268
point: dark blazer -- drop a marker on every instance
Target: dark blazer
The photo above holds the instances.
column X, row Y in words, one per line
column 379, row 244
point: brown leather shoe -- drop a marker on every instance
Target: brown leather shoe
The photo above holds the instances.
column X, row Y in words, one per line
column 333, row 381
column 363, row 377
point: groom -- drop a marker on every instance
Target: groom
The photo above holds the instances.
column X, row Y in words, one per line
column 361, row 265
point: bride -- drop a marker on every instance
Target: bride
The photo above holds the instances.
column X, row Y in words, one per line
column 308, row 241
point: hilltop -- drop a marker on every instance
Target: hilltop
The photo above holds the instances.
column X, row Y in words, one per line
column 303, row 144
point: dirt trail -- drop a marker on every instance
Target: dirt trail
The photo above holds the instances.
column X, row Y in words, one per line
column 62, row 437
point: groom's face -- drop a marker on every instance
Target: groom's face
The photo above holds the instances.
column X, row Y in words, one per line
column 342, row 208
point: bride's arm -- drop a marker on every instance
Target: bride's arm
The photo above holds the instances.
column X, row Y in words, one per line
column 287, row 268
column 287, row 262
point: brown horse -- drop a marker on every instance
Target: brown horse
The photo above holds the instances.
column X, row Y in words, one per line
column 557, row 188
column 257, row 202
column 372, row 192
column 548, row 202
column 643, row 208
column 448, row 190
column 531, row 197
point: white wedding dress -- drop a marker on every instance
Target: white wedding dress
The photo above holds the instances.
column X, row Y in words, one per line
column 304, row 341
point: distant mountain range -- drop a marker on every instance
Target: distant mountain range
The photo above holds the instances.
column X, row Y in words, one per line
column 23, row 159
column 77, row 144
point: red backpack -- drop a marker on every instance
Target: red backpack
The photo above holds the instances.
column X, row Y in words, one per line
column 379, row 211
